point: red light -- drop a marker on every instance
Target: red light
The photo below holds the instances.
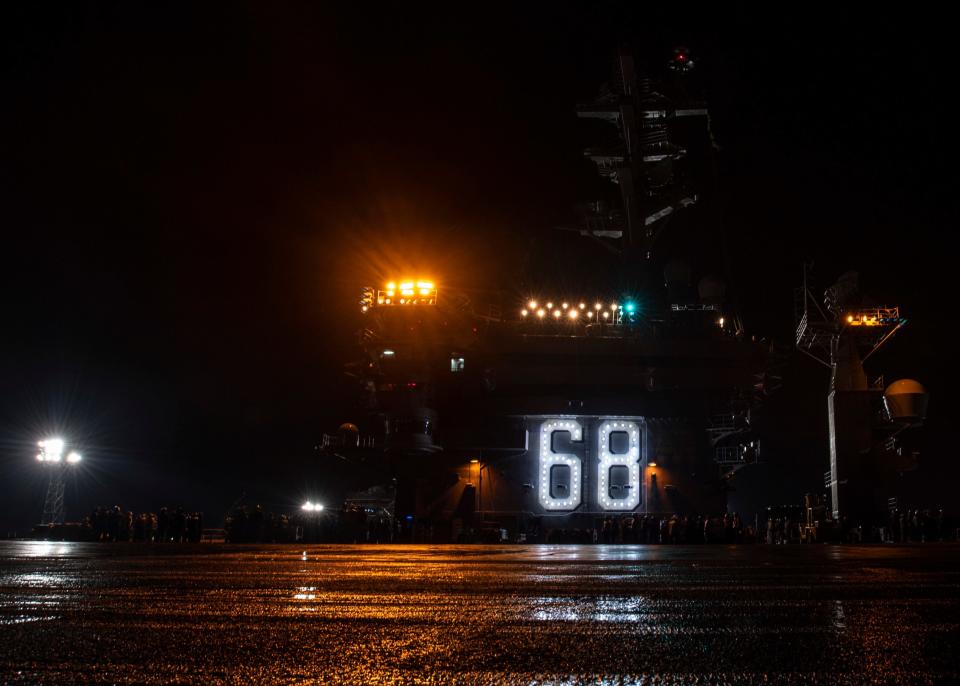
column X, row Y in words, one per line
column 412, row 384
column 681, row 57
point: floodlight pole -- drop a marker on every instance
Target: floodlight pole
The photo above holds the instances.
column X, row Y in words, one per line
column 53, row 508
column 51, row 456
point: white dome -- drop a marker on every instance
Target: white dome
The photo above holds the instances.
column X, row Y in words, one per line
column 904, row 386
column 906, row 400
column 711, row 289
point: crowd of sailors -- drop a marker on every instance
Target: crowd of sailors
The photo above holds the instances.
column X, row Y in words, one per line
column 348, row 525
column 357, row 525
column 917, row 526
column 906, row 526
column 651, row 528
column 256, row 525
column 364, row 525
column 168, row 526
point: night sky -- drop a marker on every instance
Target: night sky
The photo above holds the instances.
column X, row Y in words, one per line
column 193, row 194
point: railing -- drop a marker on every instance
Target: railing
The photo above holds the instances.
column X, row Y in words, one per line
column 801, row 328
column 874, row 316
column 728, row 454
column 408, row 295
column 721, row 423
column 693, row 307
column 213, row 536
column 331, row 442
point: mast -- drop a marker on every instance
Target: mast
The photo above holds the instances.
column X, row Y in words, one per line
column 641, row 159
column 841, row 334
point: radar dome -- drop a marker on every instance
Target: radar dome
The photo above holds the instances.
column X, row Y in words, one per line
column 906, row 400
column 349, row 434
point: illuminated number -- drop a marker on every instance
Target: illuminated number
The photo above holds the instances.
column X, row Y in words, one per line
column 618, row 482
column 560, row 473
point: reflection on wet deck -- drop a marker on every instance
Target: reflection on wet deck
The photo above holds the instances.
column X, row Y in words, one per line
column 475, row 614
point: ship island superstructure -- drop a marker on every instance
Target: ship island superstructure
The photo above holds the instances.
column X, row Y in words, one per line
column 559, row 408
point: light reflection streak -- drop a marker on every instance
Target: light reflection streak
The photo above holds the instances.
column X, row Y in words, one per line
column 618, row 680
column 839, row 618
column 305, row 593
column 38, row 580
column 618, row 610
column 45, row 549
column 24, row 619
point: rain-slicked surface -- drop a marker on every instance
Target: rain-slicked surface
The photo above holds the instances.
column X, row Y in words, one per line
column 209, row 614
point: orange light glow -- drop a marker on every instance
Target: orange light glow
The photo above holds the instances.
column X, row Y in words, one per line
column 413, row 292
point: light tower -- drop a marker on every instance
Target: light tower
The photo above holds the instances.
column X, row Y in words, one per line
column 51, row 455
